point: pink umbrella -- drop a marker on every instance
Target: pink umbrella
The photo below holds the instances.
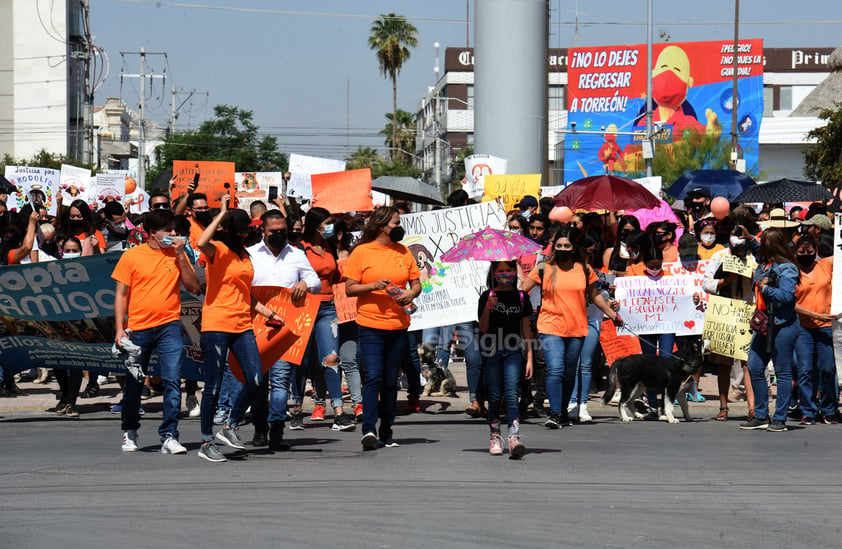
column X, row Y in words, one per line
column 661, row 213
column 490, row 245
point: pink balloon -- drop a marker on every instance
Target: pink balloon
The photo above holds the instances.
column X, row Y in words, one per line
column 562, row 214
column 720, row 207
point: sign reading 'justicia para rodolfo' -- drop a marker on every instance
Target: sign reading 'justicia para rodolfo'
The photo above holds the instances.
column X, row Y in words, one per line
column 69, row 289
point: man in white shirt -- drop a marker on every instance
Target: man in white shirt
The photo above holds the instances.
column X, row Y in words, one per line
column 277, row 263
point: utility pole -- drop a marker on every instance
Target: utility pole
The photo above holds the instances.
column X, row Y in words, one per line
column 89, row 90
column 648, row 155
column 734, row 143
column 175, row 109
column 141, row 131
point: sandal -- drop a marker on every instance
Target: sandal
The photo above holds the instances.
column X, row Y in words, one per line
column 474, row 410
column 723, row 414
column 91, row 391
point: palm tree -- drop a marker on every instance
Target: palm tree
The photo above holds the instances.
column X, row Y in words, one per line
column 363, row 157
column 405, row 133
column 391, row 37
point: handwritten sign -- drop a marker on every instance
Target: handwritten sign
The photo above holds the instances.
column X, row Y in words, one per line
column 301, row 167
column 299, row 319
column 669, row 304
column 727, row 326
column 341, row 192
column 733, row 264
column 551, row 191
column 477, row 166
column 38, row 185
column 614, row 346
column 215, row 178
column 511, row 188
column 450, row 291
column 253, row 186
column 74, row 183
column 346, row 307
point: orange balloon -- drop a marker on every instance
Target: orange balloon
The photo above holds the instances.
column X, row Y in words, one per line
column 562, row 214
column 720, row 207
column 131, row 184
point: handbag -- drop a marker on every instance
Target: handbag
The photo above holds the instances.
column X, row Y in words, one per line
column 759, row 322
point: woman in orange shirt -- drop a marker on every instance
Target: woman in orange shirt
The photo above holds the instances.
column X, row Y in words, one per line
column 664, row 236
column 227, row 324
column 16, row 246
column 78, row 221
column 376, row 263
column 565, row 281
column 705, row 230
column 814, row 345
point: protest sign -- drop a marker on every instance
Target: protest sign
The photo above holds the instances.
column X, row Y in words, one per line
column 74, row 183
column 616, row 346
column 836, row 283
column 450, row 291
column 733, row 264
column 108, row 186
column 652, row 184
column 252, row 186
column 551, row 191
column 346, row 307
column 511, row 188
column 727, row 326
column 33, row 185
column 342, row 192
column 137, row 202
column 477, row 166
column 301, row 167
column 668, row 304
column 215, row 178
column 299, row 318
column 379, row 199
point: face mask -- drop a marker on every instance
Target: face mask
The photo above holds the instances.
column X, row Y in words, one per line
column 707, row 238
column 203, row 218
column 71, row 255
column 805, row 260
column 77, row 224
column 624, row 251
column 563, row 256
column 397, row 234
column 119, row 227
column 737, row 241
column 662, row 238
column 526, row 214
column 654, row 272
column 328, row 231
column 294, row 236
column 696, row 207
column 504, row 279
column 165, row 241
column 668, row 90
column 277, row 240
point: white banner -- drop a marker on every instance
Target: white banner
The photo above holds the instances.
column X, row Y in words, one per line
column 477, row 166
column 252, row 186
column 42, row 181
column 302, row 167
column 74, row 183
column 450, row 290
column 108, row 185
column 836, row 296
column 551, row 191
column 652, row 184
column 665, row 305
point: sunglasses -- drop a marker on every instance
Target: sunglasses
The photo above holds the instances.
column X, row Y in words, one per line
column 160, row 206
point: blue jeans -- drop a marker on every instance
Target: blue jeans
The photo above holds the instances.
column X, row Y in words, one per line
column 582, row 383
column 411, row 367
column 229, row 389
column 380, row 354
column 781, row 356
column 816, row 369
column 215, row 347
column 664, row 344
column 501, row 372
column 166, row 339
column 468, row 343
column 324, row 341
column 348, row 358
column 561, row 355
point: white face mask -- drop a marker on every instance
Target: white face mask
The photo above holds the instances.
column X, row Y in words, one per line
column 71, row 255
column 707, row 238
column 526, row 214
column 737, row 241
column 654, row 272
column 624, row 251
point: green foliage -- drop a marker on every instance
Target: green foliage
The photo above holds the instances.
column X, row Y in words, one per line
column 43, row 159
column 230, row 136
column 823, row 161
column 405, row 134
column 695, row 151
column 457, row 165
column 396, row 167
column 363, row 157
column 366, row 157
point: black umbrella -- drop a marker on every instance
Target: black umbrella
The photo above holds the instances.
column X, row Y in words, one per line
column 6, row 186
column 785, row 190
column 727, row 183
column 407, row 188
column 162, row 181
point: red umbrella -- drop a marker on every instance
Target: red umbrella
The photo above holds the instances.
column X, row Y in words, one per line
column 606, row 192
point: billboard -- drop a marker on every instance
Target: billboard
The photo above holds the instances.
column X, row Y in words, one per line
column 692, row 85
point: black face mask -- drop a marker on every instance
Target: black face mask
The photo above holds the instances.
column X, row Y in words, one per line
column 77, row 224
column 203, row 218
column 294, row 236
column 805, row 260
column 397, row 234
column 563, row 256
column 697, row 206
column 277, row 240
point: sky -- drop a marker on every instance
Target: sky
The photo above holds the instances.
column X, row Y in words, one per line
column 305, row 69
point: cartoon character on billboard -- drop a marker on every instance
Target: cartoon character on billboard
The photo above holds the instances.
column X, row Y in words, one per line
column 610, row 152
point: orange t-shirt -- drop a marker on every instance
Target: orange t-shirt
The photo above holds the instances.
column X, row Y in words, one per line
column 563, row 310
column 100, row 239
column 10, row 259
column 154, row 281
column 670, row 254
column 196, row 231
column 325, row 266
column 813, row 292
column 227, row 305
column 369, row 263
column 707, row 253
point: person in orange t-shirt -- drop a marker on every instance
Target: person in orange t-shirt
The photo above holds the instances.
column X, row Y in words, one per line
column 227, row 324
column 814, row 345
column 78, row 221
column 566, row 280
column 375, row 263
column 149, row 279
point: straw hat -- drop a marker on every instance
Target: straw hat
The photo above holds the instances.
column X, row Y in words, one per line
column 778, row 219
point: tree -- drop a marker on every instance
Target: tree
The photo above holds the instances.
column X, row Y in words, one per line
column 230, row 136
column 43, row 159
column 363, row 157
column 695, row 151
column 823, row 161
column 391, row 37
column 401, row 137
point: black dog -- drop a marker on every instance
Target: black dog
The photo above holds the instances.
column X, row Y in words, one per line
column 668, row 375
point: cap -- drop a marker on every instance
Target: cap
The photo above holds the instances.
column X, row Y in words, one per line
column 820, row 221
column 527, row 202
column 698, row 191
column 778, row 219
column 688, row 245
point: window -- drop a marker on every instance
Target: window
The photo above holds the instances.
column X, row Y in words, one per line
column 768, row 101
column 786, row 98
column 556, row 98
column 470, row 96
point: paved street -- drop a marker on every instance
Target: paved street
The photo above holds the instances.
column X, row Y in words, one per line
column 65, row 483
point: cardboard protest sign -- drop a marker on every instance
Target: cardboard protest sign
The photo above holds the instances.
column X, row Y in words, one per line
column 477, row 166
column 107, row 187
column 341, row 192
column 38, row 185
column 450, row 291
column 298, row 318
column 379, row 199
column 733, row 264
column 511, row 188
column 727, row 326
column 137, row 202
column 215, row 178
column 551, row 191
column 346, row 307
column 616, row 346
column 74, row 183
column 253, row 186
column 668, row 304
column 301, row 167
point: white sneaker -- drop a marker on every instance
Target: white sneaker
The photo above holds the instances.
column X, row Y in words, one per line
column 130, row 441
column 193, row 407
column 101, row 380
column 615, row 400
column 172, row 446
column 573, row 411
column 584, row 416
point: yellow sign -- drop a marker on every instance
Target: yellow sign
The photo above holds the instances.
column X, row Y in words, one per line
column 726, row 326
column 511, row 188
column 733, row 264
